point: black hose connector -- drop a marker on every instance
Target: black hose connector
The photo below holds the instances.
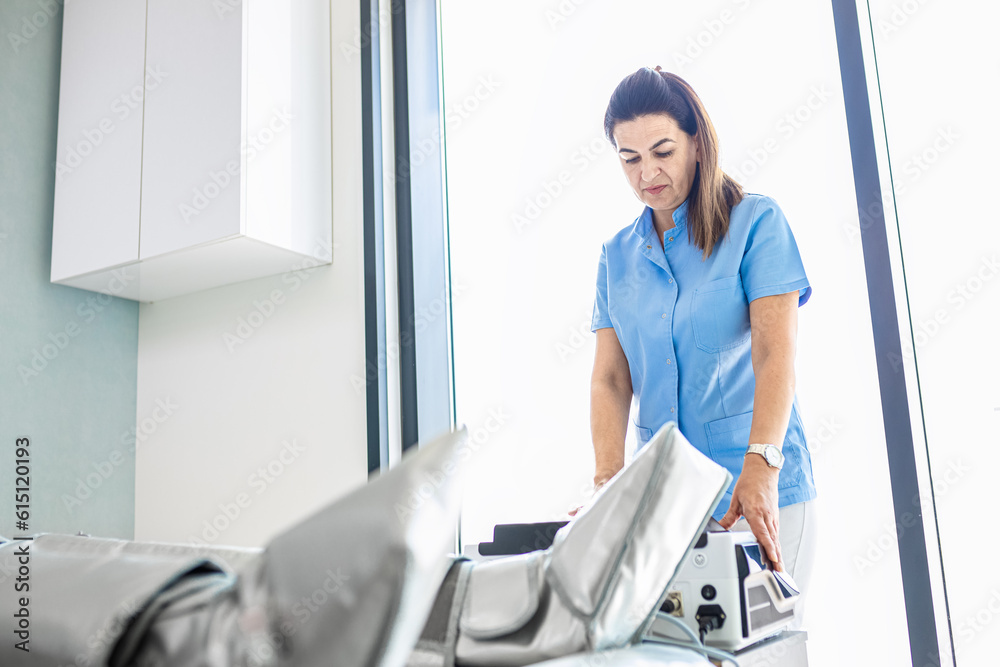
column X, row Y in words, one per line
column 710, row 617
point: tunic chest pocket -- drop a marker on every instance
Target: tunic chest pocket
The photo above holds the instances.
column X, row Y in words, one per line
column 720, row 315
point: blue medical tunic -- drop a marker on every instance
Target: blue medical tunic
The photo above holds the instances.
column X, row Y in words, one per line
column 684, row 325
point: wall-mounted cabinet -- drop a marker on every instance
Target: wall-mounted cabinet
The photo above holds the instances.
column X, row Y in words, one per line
column 194, row 144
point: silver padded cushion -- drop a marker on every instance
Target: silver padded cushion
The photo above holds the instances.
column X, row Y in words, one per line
column 86, row 591
column 607, row 571
column 502, row 595
column 373, row 560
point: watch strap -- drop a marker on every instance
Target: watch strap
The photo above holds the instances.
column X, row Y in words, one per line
column 762, row 449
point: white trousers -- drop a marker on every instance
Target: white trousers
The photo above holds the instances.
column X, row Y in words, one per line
column 797, row 534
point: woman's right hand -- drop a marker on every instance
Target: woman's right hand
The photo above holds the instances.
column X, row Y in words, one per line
column 600, row 480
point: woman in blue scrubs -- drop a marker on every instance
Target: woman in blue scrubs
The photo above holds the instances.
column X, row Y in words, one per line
column 695, row 318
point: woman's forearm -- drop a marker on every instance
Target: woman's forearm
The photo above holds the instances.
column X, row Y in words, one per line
column 773, row 324
column 609, row 409
column 772, row 399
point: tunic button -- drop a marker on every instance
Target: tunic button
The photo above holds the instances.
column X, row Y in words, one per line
column 670, row 280
column 668, row 361
column 671, row 409
column 671, row 238
column 663, row 316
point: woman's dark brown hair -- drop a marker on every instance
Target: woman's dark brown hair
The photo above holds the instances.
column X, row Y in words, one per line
column 713, row 193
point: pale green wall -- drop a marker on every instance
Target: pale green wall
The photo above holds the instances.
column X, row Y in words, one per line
column 80, row 408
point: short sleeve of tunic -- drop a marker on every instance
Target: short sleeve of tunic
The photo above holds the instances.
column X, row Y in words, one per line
column 601, row 319
column 771, row 262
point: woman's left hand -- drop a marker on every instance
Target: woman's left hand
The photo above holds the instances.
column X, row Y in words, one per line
column 755, row 497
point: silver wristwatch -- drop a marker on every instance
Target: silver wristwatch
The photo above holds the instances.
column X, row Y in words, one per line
column 771, row 454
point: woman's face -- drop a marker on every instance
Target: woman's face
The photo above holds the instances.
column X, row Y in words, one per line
column 659, row 161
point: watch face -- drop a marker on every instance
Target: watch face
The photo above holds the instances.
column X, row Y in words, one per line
column 772, row 455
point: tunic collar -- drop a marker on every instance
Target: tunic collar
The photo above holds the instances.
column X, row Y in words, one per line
column 644, row 228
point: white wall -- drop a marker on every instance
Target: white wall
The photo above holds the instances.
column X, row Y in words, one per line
column 266, row 419
column 938, row 69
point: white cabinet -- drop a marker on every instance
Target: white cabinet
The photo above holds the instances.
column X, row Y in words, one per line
column 99, row 146
column 194, row 144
